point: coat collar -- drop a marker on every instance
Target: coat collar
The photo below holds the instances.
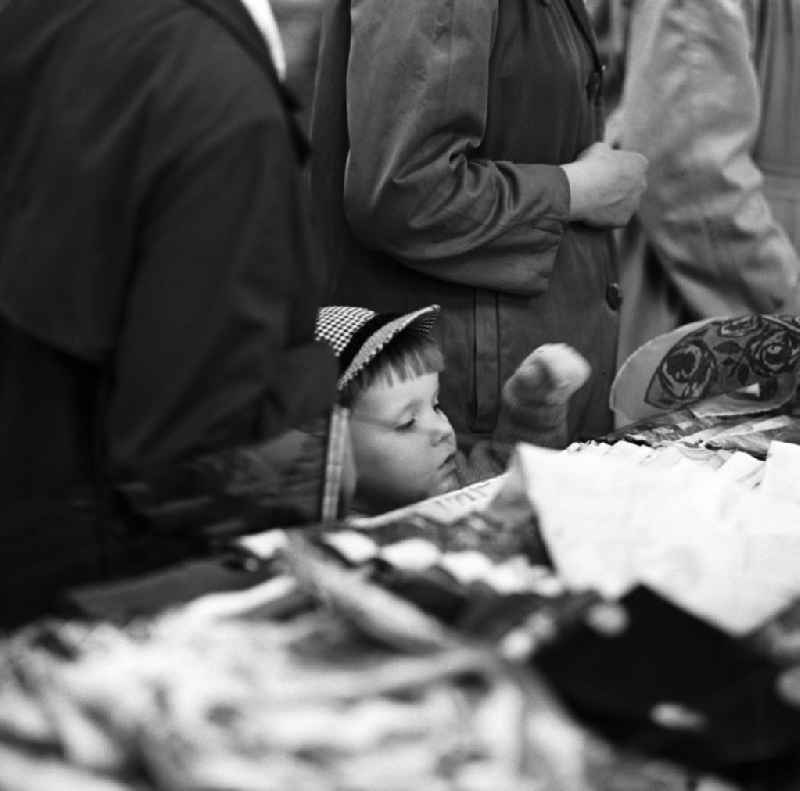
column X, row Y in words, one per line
column 261, row 13
column 235, row 17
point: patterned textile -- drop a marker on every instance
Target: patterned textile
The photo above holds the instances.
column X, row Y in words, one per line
column 723, row 356
column 358, row 334
column 710, row 358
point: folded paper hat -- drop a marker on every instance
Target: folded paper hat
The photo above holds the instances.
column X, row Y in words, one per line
column 709, row 358
column 357, row 334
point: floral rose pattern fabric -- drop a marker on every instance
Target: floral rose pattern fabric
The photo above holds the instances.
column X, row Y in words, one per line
column 725, row 355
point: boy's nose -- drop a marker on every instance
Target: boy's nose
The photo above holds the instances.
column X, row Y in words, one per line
column 443, row 430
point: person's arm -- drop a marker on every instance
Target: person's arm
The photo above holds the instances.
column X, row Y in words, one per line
column 417, row 83
column 215, row 358
column 692, row 106
column 415, row 187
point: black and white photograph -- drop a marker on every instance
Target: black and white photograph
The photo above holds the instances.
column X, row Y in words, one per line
column 399, row 395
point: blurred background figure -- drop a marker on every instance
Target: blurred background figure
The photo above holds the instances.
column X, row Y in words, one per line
column 158, row 292
column 712, row 99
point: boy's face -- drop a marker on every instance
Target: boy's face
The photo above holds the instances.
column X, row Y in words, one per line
column 404, row 445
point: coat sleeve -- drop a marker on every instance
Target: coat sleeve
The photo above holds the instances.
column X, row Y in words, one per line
column 692, row 107
column 415, row 186
column 211, row 351
column 213, row 355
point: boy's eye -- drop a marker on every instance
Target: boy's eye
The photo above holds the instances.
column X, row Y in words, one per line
column 407, row 426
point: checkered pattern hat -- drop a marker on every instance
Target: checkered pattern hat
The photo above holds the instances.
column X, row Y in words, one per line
column 358, row 334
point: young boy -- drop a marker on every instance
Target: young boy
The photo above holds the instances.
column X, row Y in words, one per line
column 403, row 444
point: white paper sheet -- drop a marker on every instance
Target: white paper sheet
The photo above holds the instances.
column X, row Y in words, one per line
column 726, row 553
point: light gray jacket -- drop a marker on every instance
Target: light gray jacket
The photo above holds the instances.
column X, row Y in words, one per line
column 712, row 98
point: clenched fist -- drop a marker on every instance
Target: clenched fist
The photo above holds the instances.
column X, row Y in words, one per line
column 605, row 185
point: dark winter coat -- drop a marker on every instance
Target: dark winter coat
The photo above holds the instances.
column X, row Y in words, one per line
column 438, row 129
column 157, row 290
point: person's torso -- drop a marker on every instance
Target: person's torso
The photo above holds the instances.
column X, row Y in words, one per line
column 773, row 29
column 545, row 102
column 100, row 101
column 89, row 132
column 544, row 106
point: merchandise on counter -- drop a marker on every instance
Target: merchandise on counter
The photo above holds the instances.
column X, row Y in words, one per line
column 671, row 684
column 651, row 578
column 203, row 699
column 480, row 571
column 722, row 551
column 748, row 363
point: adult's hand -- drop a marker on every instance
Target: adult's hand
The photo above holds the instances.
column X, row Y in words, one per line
column 605, row 185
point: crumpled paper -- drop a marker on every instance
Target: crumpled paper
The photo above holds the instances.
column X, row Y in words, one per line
column 716, row 548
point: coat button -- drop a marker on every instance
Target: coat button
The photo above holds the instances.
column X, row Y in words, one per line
column 614, row 296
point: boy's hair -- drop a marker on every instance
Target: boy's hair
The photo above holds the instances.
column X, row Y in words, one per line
column 411, row 353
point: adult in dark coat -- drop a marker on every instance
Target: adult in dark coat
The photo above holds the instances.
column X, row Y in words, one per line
column 157, row 292
column 456, row 163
